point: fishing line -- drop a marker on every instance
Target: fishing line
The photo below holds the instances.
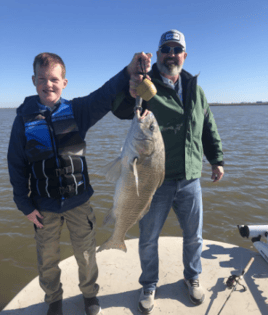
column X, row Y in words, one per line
column 142, row 65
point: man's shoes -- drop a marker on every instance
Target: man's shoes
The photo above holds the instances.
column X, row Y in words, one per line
column 196, row 292
column 92, row 306
column 146, row 301
column 55, row 308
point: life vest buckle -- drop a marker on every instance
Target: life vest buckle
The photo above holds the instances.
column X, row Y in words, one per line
column 66, row 190
column 60, row 172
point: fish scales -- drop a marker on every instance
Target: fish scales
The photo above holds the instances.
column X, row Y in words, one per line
column 138, row 172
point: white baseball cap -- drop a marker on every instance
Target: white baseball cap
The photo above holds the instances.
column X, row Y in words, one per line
column 172, row 36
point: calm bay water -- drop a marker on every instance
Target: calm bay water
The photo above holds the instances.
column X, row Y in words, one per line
column 240, row 198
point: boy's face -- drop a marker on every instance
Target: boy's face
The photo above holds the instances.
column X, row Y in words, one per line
column 49, row 84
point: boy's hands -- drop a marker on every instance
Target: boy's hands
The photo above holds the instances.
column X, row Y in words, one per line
column 33, row 217
column 140, row 63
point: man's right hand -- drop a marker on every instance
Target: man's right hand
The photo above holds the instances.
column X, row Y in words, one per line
column 33, row 218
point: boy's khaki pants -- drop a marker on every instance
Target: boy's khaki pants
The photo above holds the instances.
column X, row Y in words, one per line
column 81, row 225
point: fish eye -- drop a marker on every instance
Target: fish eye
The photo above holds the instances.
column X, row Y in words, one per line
column 151, row 127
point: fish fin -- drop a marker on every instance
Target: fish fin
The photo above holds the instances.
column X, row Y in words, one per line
column 135, row 172
column 147, row 208
column 110, row 244
column 109, row 219
column 112, row 171
column 161, row 180
column 143, row 214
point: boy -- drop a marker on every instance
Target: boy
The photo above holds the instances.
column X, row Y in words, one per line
column 48, row 171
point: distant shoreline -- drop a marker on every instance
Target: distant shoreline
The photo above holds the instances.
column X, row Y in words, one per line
column 236, row 104
column 210, row 104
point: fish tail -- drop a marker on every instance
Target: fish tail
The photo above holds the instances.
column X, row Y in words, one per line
column 110, row 244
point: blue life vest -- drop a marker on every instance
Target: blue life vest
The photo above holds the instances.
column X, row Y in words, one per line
column 56, row 153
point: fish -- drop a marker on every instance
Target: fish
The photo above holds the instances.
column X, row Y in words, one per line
column 138, row 172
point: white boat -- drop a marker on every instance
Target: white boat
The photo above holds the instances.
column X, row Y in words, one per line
column 119, row 287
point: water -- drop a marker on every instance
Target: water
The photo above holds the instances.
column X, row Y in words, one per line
column 240, row 198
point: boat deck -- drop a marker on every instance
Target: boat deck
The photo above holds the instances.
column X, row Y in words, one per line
column 119, row 287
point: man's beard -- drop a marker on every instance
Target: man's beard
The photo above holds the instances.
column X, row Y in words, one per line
column 172, row 69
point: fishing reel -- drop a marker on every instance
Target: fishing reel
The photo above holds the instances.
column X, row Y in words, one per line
column 232, row 281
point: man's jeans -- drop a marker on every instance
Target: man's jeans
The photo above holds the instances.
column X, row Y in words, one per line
column 185, row 197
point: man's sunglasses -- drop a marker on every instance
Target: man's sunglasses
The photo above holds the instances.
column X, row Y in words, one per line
column 176, row 50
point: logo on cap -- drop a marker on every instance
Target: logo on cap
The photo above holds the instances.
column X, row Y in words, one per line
column 172, row 36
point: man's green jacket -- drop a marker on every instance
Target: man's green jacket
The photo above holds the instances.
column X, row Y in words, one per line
column 188, row 128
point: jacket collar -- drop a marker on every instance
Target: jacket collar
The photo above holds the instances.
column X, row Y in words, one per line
column 32, row 105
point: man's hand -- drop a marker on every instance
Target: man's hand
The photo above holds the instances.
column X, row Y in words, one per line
column 217, row 173
column 140, row 63
column 33, row 218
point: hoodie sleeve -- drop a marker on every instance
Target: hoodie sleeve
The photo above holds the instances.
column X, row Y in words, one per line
column 18, row 167
column 90, row 109
column 123, row 105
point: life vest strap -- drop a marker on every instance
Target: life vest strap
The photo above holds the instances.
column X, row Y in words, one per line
column 69, row 189
column 66, row 164
column 69, row 180
column 63, row 171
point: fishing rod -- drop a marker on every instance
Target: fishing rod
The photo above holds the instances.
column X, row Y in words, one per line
column 233, row 281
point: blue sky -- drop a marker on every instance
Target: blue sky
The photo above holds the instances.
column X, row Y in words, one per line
column 227, row 43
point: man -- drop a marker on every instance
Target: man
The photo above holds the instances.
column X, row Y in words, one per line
column 189, row 131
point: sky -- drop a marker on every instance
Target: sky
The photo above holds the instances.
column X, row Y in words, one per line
column 226, row 41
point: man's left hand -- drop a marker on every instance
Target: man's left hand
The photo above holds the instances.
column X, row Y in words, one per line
column 217, row 173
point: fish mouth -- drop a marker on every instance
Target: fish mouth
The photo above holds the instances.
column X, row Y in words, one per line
column 144, row 115
column 143, row 139
column 138, row 113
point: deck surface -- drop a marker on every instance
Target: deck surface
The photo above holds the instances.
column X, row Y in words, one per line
column 119, row 287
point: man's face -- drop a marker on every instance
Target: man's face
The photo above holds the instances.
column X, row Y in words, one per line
column 170, row 63
column 49, row 84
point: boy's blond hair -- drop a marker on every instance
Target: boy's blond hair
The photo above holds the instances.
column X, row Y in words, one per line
column 49, row 59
